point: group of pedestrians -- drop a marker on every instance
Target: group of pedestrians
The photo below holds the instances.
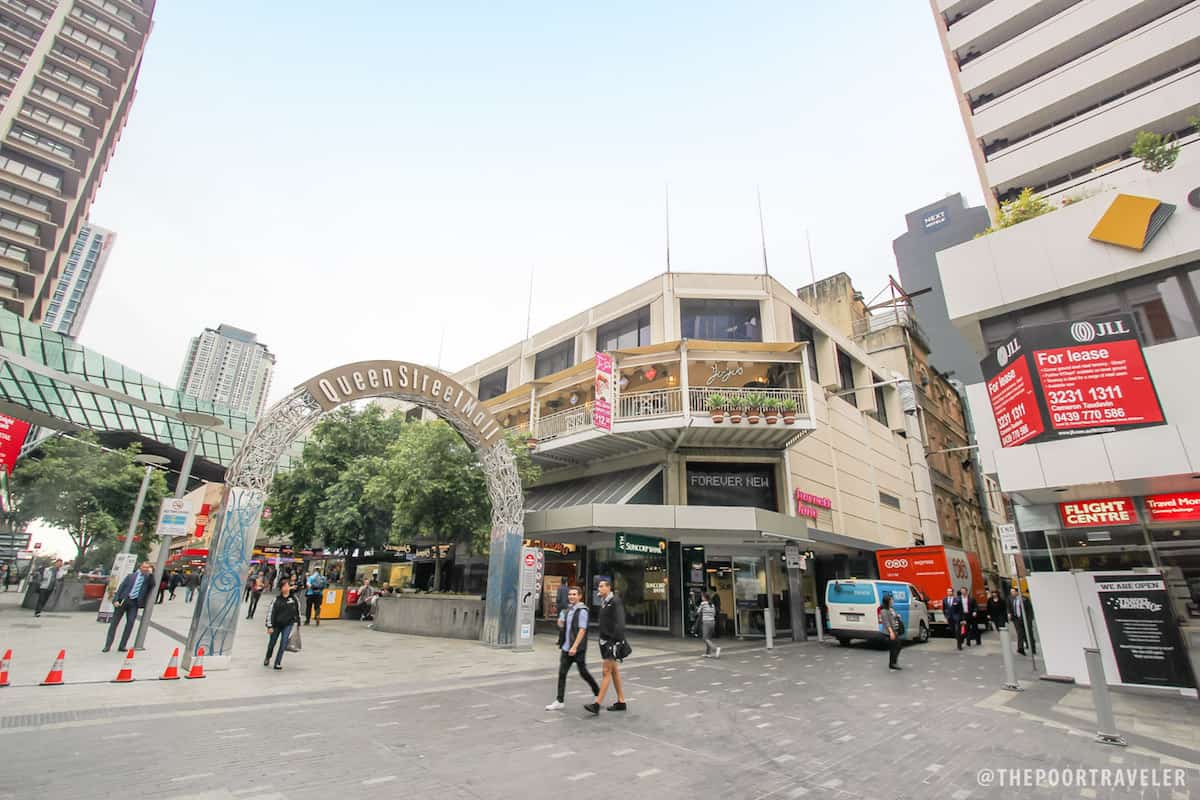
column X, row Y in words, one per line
column 573, row 627
column 961, row 612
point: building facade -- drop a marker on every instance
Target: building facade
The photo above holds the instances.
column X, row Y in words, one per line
column 1087, row 318
column 72, row 296
column 1053, row 93
column 67, row 75
column 685, row 490
column 889, row 332
column 228, row 366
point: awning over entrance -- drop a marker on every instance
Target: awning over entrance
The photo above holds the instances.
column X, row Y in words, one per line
column 610, row 488
column 690, row 525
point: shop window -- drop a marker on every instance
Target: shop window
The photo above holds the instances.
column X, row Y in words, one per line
column 493, row 385
column 750, row 485
column 1096, row 550
column 846, row 377
column 803, row 332
column 720, row 320
column 631, row 330
column 640, row 579
column 554, row 359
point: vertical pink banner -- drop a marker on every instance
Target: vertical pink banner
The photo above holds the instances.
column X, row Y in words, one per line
column 603, row 405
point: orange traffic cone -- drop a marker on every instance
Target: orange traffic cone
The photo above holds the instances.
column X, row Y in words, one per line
column 197, row 670
column 55, row 677
column 126, row 673
column 171, row 673
column 4, row 667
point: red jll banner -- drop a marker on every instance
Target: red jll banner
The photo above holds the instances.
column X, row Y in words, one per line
column 1178, row 507
column 1098, row 513
column 12, row 437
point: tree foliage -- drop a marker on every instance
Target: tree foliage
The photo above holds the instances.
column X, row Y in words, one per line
column 1026, row 206
column 1158, row 152
column 73, row 484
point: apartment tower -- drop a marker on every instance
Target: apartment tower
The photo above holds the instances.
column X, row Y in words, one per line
column 67, row 74
column 72, row 296
column 1053, row 93
column 228, row 366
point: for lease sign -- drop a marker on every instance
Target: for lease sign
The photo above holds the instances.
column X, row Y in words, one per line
column 1098, row 513
column 1071, row 378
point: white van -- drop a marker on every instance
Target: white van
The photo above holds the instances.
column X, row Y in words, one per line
column 854, row 606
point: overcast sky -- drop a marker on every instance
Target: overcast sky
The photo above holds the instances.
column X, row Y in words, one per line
column 350, row 181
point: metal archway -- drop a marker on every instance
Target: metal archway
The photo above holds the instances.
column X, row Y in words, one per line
column 249, row 479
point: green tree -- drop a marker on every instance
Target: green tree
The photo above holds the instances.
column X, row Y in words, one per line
column 436, row 488
column 1026, row 206
column 74, row 484
column 1158, row 152
column 322, row 498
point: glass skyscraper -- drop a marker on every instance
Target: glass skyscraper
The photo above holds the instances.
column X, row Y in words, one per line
column 73, row 294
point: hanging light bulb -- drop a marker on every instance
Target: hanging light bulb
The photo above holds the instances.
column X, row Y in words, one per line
column 574, row 398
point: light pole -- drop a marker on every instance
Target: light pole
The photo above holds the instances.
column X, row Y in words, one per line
column 199, row 422
column 151, row 461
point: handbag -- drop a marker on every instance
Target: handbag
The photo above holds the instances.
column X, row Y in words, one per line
column 294, row 643
column 900, row 627
column 622, row 650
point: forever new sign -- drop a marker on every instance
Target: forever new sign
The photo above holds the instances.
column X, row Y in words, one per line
column 407, row 381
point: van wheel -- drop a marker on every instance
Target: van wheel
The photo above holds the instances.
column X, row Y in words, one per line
column 843, row 642
column 923, row 633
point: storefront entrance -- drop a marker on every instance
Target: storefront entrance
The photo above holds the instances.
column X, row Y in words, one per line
column 737, row 585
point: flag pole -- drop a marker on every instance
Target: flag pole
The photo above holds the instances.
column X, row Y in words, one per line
column 762, row 231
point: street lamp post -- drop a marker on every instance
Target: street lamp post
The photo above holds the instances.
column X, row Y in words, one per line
column 199, row 422
column 151, row 461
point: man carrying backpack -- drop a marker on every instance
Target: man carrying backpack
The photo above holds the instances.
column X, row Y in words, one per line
column 573, row 647
column 312, row 595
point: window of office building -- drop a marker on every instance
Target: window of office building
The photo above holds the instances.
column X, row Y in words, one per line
column 631, row 330
column 880, row 401
column 493, row 385
column 846, row 376
column 720, row 320
column 554, row 359
column 1165, row 307
column 803, row 332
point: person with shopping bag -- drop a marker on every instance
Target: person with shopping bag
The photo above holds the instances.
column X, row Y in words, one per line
column 281, row 621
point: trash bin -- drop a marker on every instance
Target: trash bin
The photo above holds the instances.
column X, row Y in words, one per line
column 351, row 599
column 331, row 604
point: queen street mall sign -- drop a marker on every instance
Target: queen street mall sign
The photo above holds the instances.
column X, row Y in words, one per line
column 641, row 545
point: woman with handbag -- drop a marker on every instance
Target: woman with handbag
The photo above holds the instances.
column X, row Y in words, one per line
column 284, row 614
column 613, row 647
column 893, row 626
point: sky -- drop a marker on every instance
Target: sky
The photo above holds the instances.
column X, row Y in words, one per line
column 380, row 180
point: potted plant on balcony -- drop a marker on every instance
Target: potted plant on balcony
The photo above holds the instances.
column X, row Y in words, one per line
column 788, row 407
column 754, row 404
column 770, row 409
column 735, row 403
column 716, row 406
column 531, row 442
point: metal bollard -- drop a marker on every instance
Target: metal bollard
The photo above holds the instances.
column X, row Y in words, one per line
column 820, row 625
column 1010, row 672
column 1104, row 712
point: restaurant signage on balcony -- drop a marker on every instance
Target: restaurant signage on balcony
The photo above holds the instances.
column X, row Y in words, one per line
column 602, row 408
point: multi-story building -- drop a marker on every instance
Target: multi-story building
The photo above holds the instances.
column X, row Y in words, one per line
column 72, row 296
column 228, row 366
column 889, row 332
column 1053, row 93
column 1086, row 318
column 675, row 496
column 67, row 74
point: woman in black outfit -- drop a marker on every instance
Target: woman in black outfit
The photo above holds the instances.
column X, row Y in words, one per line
column 285, row 612
column 612, row 631
column 997, row 610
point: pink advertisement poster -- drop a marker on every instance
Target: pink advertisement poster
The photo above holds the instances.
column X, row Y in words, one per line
column 602, row 408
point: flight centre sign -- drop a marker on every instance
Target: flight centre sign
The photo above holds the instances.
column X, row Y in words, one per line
column 1071, row 378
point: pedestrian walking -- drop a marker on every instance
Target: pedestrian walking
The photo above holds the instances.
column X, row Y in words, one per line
column 706, row 618
column 572, row 646
column 1020, row 611
column 612, row 643
column 952, row 608
column 162, row 587
column 250, row 578
column 176, row 582
column 312, row 596
column 48, row 580
column 891, row 625
column 285, row 613
column 561, row 598
column 131, row 595
column 997, row 610
column 256, row 590
column 970, row 612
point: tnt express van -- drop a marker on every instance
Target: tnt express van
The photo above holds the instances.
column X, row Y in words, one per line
column 855, row 609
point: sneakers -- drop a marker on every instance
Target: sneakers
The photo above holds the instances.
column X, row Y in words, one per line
column 555, row 706
column 617, row 706
column 895, row 666
column 592, row 708
column 718, row 655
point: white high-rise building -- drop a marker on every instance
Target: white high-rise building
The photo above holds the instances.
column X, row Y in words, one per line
column 228, row 366
column 81, row 274
column 1054, row 92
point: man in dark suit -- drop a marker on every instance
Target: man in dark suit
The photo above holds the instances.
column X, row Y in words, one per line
column 970, row 616
column 952, row 610
column 131, row 595
column 1020, row 613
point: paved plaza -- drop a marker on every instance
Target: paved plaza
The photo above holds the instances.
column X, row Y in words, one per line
column 373, row 714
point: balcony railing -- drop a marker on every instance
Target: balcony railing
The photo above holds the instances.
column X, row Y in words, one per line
column 564, row 423
column 699, row 397
column 647, row 405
